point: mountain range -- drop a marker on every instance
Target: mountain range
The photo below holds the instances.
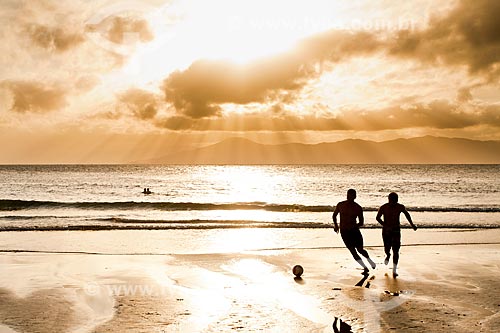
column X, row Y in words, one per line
column 421, row 150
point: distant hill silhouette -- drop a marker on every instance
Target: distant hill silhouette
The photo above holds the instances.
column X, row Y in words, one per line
column 420, row 150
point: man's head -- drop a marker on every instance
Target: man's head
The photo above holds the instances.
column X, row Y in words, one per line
column 351, row 194
column 393, row 197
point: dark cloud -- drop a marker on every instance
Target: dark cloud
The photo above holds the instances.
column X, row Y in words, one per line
column 177, row 123
column 54, row 38
column 142, row 104
column 437, row 114
column 29, row 96
column 199, row 91
column 468, row 35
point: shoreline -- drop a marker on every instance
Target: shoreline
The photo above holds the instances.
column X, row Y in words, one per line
column 257, row 225
column 215, row 253
column 212, row 241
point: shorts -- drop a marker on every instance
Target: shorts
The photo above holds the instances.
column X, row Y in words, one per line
column 352, row 238
column 392, row 240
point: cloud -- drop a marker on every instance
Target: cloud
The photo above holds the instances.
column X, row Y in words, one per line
column 438, row 114
column 464, row 95
column 86, row 83
column 123, row 29
column 53, row 38
column 143, row 104
column 199, row 91
column 178, row 123
column 31, row 96
column 468, row 35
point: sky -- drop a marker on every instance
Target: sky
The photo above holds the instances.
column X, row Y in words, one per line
column 114, row 81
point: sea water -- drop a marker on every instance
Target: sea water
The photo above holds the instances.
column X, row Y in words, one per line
column 95, row 197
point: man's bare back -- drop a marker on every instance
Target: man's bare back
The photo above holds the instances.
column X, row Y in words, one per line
column 349, row 212
column 391, row 213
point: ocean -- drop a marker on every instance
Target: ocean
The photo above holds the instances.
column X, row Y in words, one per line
column 109, row 197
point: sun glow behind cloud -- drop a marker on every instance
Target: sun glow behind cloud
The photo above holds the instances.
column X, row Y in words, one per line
column 237, row 31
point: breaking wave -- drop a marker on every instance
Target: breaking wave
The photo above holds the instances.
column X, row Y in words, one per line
column 13, row 205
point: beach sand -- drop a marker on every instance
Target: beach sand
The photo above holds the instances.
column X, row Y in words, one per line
column 450, row 287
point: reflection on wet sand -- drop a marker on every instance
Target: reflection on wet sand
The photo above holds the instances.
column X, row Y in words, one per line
column 299, row 280
column 339, row 326
column 362, row 281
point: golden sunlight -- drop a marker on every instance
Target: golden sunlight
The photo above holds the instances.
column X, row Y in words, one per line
column 236, row 240
column 240, row 31
column 248, row 183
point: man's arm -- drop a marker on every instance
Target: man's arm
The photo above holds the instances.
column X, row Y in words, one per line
column 361, row 218
column 334, row 218
column 408, row 217
column 379, row 216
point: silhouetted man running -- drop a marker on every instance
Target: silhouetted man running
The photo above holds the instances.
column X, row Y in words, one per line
column 391, row 228
column 349, row 229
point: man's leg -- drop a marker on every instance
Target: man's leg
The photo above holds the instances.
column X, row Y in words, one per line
column 396, row 245
column 387, row 238
column 350, row 237
column 361, row 250
column 364, row 253
column 356, row 257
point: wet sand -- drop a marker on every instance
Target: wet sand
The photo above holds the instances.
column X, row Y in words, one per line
column 452, row 288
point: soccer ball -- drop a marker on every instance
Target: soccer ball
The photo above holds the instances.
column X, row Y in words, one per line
column 297, row 270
